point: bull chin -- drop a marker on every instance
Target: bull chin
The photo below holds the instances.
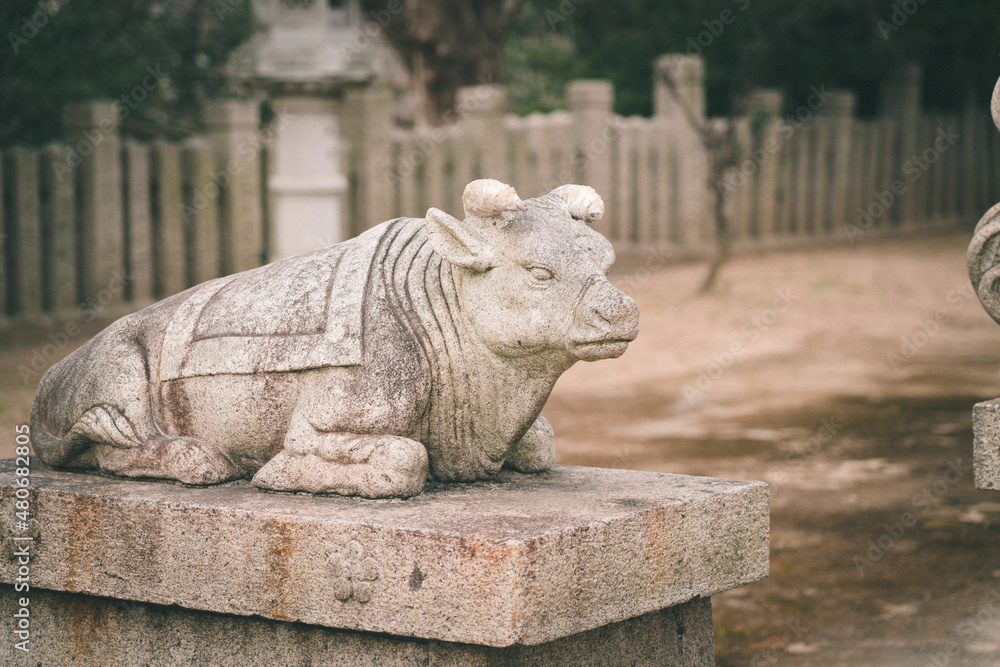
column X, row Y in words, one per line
column 611, row 348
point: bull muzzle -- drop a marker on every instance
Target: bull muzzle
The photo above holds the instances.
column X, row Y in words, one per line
column 606, row 321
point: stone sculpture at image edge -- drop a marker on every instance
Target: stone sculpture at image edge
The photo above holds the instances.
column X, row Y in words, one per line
column 423, row 348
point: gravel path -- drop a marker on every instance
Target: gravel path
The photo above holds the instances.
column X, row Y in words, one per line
column 844, row 377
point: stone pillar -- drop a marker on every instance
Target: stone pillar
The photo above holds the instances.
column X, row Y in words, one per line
column 201, row 211
column 367, row 133
column 233, row 130
column 614, row 565
column 306, row 184
column 61, row 250
column 95, row 153
column 694, row 206
column 764, row 108
column 900, row 100
column 139, row 208
column 26, row 231
column 837, row 120
column 169, row 221
column 590, row 102
column 481, row 110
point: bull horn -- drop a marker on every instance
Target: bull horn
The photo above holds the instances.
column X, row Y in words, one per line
column 583, row 201
column 486, row 197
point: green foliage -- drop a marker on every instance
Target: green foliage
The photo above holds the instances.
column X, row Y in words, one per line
column 786, row 44
column 160, row 59
column 538, row 63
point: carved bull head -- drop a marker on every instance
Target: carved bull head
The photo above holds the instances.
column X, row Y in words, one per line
column 531, row 275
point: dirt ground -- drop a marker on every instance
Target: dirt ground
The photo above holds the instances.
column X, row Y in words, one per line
column 844, row 377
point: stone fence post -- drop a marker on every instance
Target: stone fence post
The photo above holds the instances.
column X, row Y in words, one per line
column 91, row 130
column 694, row 197
column 590, row 102
column 481, row 110
column 836, row 118
column 900, row 100
column 764, row 108
column 233, row 130
column 367, row 132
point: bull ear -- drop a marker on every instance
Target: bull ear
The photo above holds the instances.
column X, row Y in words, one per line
column 459, row 244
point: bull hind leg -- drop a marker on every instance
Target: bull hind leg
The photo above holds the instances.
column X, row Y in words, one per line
column 372, row 466
column 103, row 437
column 185, row 459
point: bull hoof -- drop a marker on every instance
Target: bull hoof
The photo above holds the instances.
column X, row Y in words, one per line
column 374, row 467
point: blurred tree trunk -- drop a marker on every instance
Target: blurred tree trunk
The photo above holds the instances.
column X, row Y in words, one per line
column 446, row 44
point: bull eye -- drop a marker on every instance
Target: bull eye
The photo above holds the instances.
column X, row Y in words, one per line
column 540, row 274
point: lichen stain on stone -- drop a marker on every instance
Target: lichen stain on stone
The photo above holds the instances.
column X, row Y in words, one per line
column 82, row 539
column 88, row 619
column 416, row 578
column 140, row 547
column 661, row 556
column 176, row 411
column 278, row 568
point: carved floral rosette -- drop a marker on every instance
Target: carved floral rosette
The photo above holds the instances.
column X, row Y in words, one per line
column 984, row 250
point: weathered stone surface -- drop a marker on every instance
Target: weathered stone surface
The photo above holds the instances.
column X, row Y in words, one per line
column 986, row 443
column 69, row 629
column 422, row 346
column 523, row 559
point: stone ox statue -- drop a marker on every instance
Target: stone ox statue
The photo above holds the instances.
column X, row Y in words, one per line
column 424, row 347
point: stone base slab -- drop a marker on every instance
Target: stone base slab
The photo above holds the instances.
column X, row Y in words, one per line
column 524, row 559
column 986, row 444
column 74, row 629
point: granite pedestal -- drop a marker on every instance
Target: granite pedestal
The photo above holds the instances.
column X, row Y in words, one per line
column 572, row 566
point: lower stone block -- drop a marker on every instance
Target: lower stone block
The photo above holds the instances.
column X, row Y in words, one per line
column 75, row 629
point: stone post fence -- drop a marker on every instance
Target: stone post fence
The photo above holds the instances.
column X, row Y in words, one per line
column 105, row 222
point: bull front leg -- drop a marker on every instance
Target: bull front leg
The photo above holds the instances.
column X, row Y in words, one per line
column 536, row 450
column 350, row 464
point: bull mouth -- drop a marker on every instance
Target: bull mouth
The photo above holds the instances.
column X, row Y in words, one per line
column 602, row 348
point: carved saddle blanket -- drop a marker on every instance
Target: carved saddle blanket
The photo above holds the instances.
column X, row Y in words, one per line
column 297, row 313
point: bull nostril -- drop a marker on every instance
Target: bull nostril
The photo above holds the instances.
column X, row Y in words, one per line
column 600, row 317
